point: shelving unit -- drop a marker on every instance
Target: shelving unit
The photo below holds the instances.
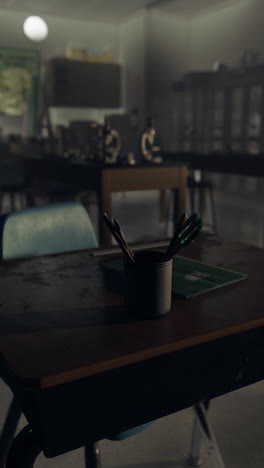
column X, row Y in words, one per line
column 73, row 83
column 78, row 84
column 221, row 112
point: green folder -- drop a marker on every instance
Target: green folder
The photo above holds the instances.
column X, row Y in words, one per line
column 189, row 278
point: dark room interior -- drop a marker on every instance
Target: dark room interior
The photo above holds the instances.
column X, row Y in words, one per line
column 131, row 233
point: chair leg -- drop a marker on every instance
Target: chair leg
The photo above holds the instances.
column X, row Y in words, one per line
column 206, row 431
column 24, row 450
column 169, row 212
column 9, row 430
column 92, row 455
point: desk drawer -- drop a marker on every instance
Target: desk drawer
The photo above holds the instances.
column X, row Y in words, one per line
column 66, row 416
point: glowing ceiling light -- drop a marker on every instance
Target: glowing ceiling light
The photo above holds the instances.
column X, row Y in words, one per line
column 35, row 28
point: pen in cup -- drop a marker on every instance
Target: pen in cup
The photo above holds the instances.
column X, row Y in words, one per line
column 120, row 232
column 185, row 233
column 175, row 236
column 119, row 238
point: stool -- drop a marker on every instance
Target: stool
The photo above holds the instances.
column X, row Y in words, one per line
column 200, row 187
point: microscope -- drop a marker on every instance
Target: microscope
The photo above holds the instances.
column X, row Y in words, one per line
column 148, row 150
column 112, row 143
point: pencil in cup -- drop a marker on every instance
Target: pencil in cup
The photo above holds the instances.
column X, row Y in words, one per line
column 122, row 244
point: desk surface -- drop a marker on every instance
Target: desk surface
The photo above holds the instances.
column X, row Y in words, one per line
column 238, row 164
column 55, row 167
column 59, row 323
column 24, row 154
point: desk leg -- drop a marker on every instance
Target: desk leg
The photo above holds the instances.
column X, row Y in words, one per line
column 164, row 206
column 213, row 452
column 104, row 206
column 24, row 450
column 92, row 456
column 197, row 441
column 180, row 197
column 202, row 196
column 196, row 445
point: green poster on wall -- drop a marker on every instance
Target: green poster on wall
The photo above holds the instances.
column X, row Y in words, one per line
column 19, row 82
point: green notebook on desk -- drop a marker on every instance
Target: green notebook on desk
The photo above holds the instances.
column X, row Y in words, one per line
column 190, row 277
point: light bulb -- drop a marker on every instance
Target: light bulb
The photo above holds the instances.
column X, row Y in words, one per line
column 35, row 28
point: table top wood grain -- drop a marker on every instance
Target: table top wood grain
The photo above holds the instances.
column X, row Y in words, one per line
column 59, row 322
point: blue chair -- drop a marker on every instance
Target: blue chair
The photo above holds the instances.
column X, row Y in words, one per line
column 62, row 227
column 43, row 230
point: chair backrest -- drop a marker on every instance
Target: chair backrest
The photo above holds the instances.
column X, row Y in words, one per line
column 62, row 227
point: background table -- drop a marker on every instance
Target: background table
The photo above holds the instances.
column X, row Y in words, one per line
column 238, row 164
column 105, row 180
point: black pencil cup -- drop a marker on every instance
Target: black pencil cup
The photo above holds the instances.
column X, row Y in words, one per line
column 148, row 285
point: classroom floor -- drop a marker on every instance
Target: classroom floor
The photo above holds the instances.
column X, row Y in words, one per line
column 238, row 217
column 235, row 417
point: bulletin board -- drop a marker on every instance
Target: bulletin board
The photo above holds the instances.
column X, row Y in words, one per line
column 19, row 84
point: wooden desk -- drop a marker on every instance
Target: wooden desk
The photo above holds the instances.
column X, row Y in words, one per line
column 82, row 369
column 237, row 164
column 105, row 180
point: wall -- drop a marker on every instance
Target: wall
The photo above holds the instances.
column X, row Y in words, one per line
column 167, row 52
column 166, row 61
column 95, row 38
column 133, row 56
column 175, row 45
column 153, row 49
column 146, row 41
column 222, row 36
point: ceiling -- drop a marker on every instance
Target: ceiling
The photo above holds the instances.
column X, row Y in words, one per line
column 194, row 7
column 112, row 11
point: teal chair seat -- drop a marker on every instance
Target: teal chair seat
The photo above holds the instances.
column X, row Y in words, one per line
column 130, row 432
column 62, row 227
